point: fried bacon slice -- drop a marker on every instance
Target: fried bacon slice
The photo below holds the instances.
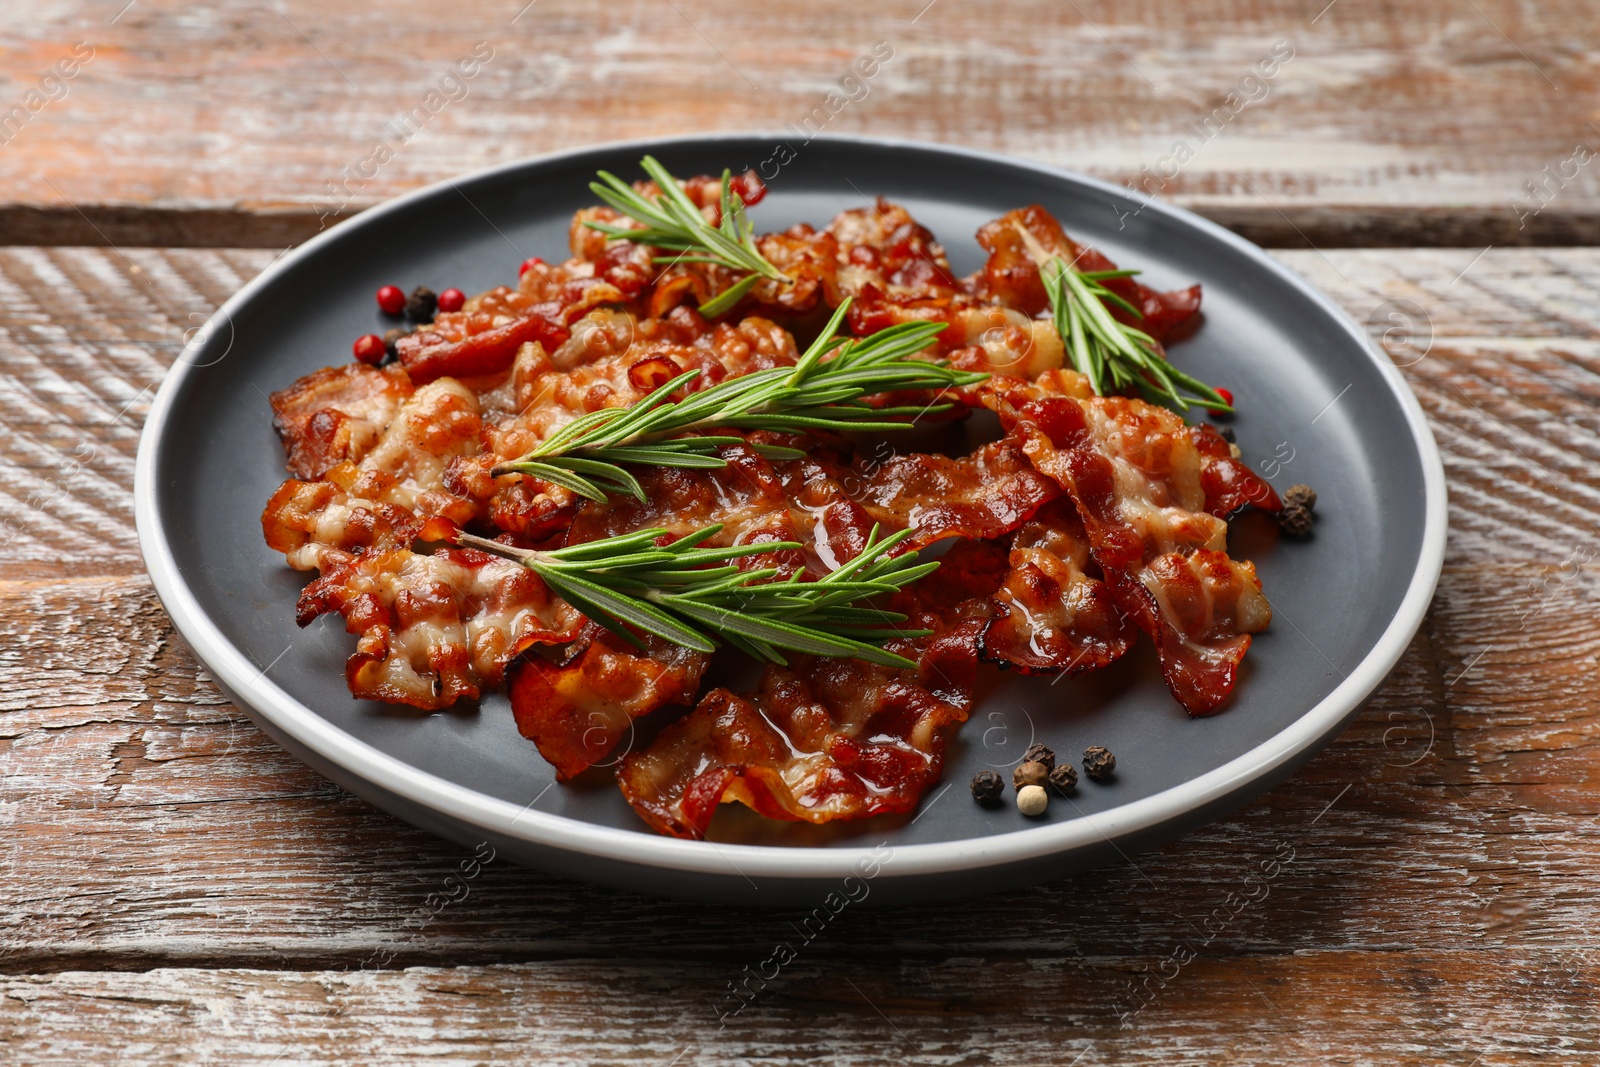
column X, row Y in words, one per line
column 819, row 740
column 625, row 360
column 434, row 629
column 1229, row 483
column 830, row 500
column 1134, row 471
column 828, row 739
column 484, row 336
column 379, row 503
column 1053, row 613
column 336, row 414
column 898, row 273
column 1010, row 276
column 1038, row 593
column 805, row 256
column 318, row 523
column 579, row 702
column 886, row 254
column 612, row 360
column 982, row 495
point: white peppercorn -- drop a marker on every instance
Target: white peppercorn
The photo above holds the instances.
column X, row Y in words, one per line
column 1032, row 800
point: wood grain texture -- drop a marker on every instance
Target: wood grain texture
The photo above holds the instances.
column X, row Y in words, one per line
column 1392, row 124
column 1048, row 1009
column 177, row 889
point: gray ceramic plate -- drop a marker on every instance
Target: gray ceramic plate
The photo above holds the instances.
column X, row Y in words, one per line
column 1317, row 406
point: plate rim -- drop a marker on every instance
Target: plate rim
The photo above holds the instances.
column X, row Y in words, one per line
column 236, row 673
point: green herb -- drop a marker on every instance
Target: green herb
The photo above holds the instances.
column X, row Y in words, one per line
column 674, row 222
column 815, row 394
column 1111, row 354
column 692, row 596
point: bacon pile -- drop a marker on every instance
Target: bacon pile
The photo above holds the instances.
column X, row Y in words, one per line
column 1090, row 520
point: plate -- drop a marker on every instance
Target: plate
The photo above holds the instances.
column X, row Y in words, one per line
column 1317, row 403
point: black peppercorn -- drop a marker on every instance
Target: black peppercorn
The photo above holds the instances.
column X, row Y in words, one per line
column 1064, row 779
column 1295, row 520
column 1038, row 753
column 1303, row 495
column 987, row 787
column 1098, row 763
column 1228, row 435
column 391, row 336
column 1029, row 773
column 421, row 304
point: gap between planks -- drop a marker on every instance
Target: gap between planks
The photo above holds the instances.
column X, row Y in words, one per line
column 1284, row 226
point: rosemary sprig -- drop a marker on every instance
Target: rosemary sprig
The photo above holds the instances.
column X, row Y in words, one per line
column 1111, row 354
column 815, row 394
column 693, row 596
column 675, row 223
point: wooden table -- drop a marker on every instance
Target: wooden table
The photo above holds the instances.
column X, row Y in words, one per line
column 178, row 890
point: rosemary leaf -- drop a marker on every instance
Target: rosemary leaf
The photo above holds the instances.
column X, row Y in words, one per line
column 1112, row 354
column 692, row 596
column 815, row 394
column 724, row 301
column 675, row 223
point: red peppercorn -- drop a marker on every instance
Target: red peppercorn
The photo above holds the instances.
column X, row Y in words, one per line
column 1226, row 395
column 451, row 300
column 370, row 349
column 391, row 299
column 529, row 264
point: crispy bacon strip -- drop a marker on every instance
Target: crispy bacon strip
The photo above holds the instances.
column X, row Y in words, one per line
column 829, row 502
column 898, row 273
column 336, row 414
column 1038, row 592
column 435, row 628
column 431, row 355
column 804, row 255
column 1230, row 484
column 380, row 502
column 484, row 336
column 432, row 629
column 831, row 739
column 612, row 360
column 823, row 739
column 1134, row 472
column 886, row 254
column 985, row 494
column 316, row 523
column 1010, row 277
column 1052, row 614
column 578, row 703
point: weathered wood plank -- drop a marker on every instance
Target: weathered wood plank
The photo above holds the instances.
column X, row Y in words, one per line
column 1416, row 124
column 1483, row 1008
